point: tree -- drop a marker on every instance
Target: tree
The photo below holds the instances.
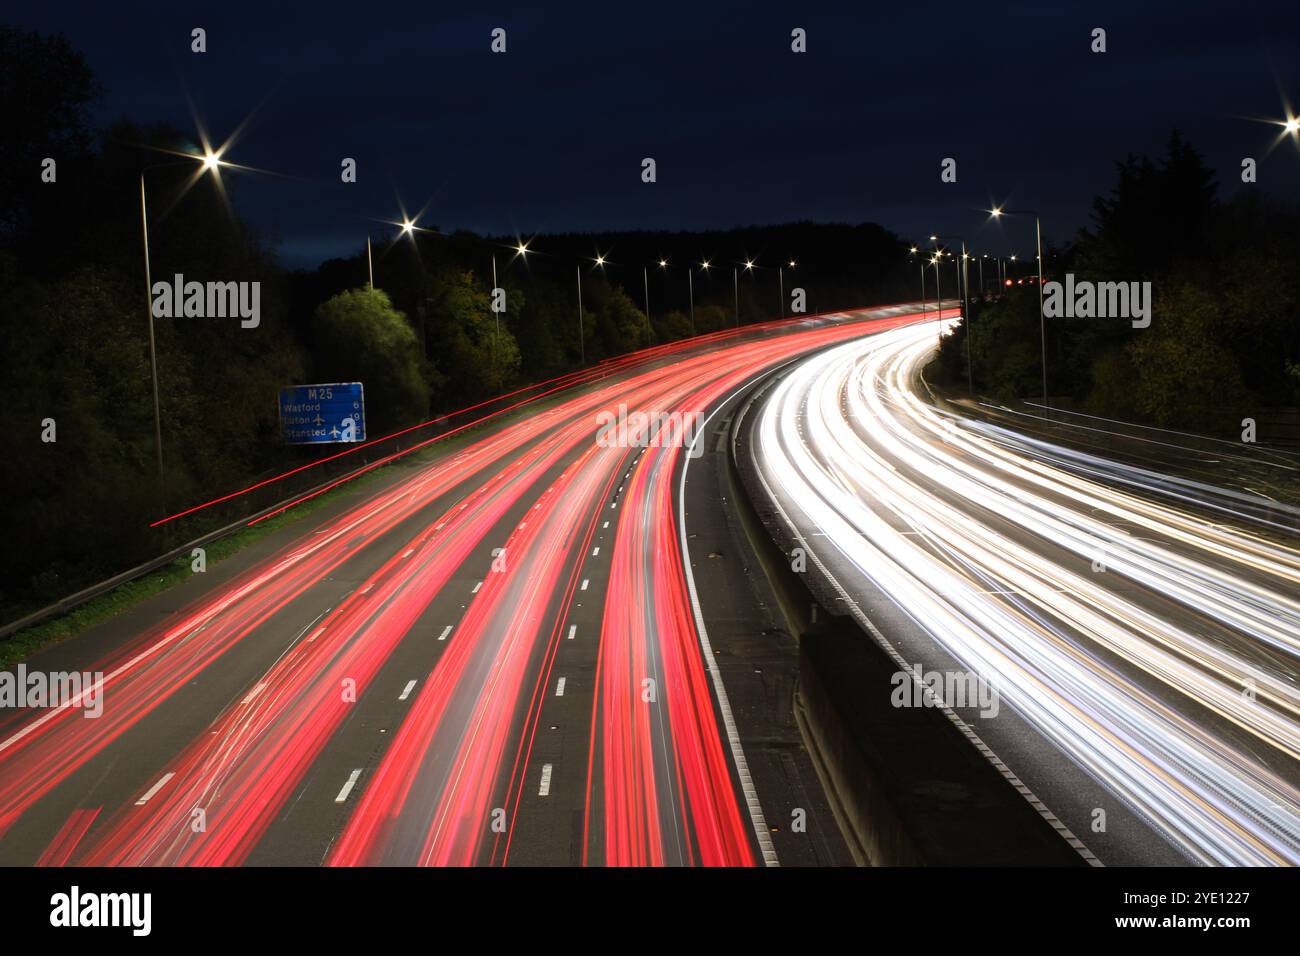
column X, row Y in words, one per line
column 47, row 89
column 620, row 325
column 1157, row 216
column 1186, row 378
column 360, row 337
column 672, row 326
column 476, row 355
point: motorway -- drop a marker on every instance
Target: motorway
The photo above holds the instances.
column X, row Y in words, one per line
column 498, row 657
column 1142, row 633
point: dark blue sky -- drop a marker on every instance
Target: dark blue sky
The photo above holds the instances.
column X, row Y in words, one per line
column 550, row 136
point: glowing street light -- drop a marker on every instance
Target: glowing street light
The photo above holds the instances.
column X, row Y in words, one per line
column 963, row 295
column 998, row 212
column 925, row 303
column 780, row 280
column 210, row 161
column 690, row 285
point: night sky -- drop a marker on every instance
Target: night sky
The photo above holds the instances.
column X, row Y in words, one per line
column 550, row 135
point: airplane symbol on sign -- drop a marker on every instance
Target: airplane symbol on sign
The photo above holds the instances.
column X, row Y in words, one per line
column 334, row 432
column 318, row 419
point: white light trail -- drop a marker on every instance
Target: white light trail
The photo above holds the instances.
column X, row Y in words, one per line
column 994, row 547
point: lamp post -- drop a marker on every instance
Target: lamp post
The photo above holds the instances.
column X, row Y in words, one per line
column 997, row 212
column 963, row 292
column 663, row 264
column 690, row 278
column 582, row 348
column 645, row 277
column 211, row 163
column 496, row 316
column 780, row 281
column 690, row 291
column 925, row 304
column 750, row 265
column 735, row 291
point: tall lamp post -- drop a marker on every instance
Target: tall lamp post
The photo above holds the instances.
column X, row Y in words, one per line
column 780, row 280
column 211, row 162
column 582, row 347
column 690, row 282
column 735, row 291
column 645, row 277
column 925, row 303
column 663, row 264
column 963, row 291
column 749, row 267
column 997, row 212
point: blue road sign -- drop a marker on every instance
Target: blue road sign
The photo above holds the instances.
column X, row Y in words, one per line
column 317, row 414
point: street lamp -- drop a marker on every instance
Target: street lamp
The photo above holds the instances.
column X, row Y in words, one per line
column 645, row 277
column 663, row 264
column 963, row 294
column 780, row 280
column 735, row 291
column 938, row 296
column 582, row 347
column 925, row 303
column 406, row 227
column 690, row 284
column 211, row 162
column 997, row 212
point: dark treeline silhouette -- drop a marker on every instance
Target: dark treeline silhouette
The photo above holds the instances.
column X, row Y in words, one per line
column 1224, row 340
column 76, row 336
